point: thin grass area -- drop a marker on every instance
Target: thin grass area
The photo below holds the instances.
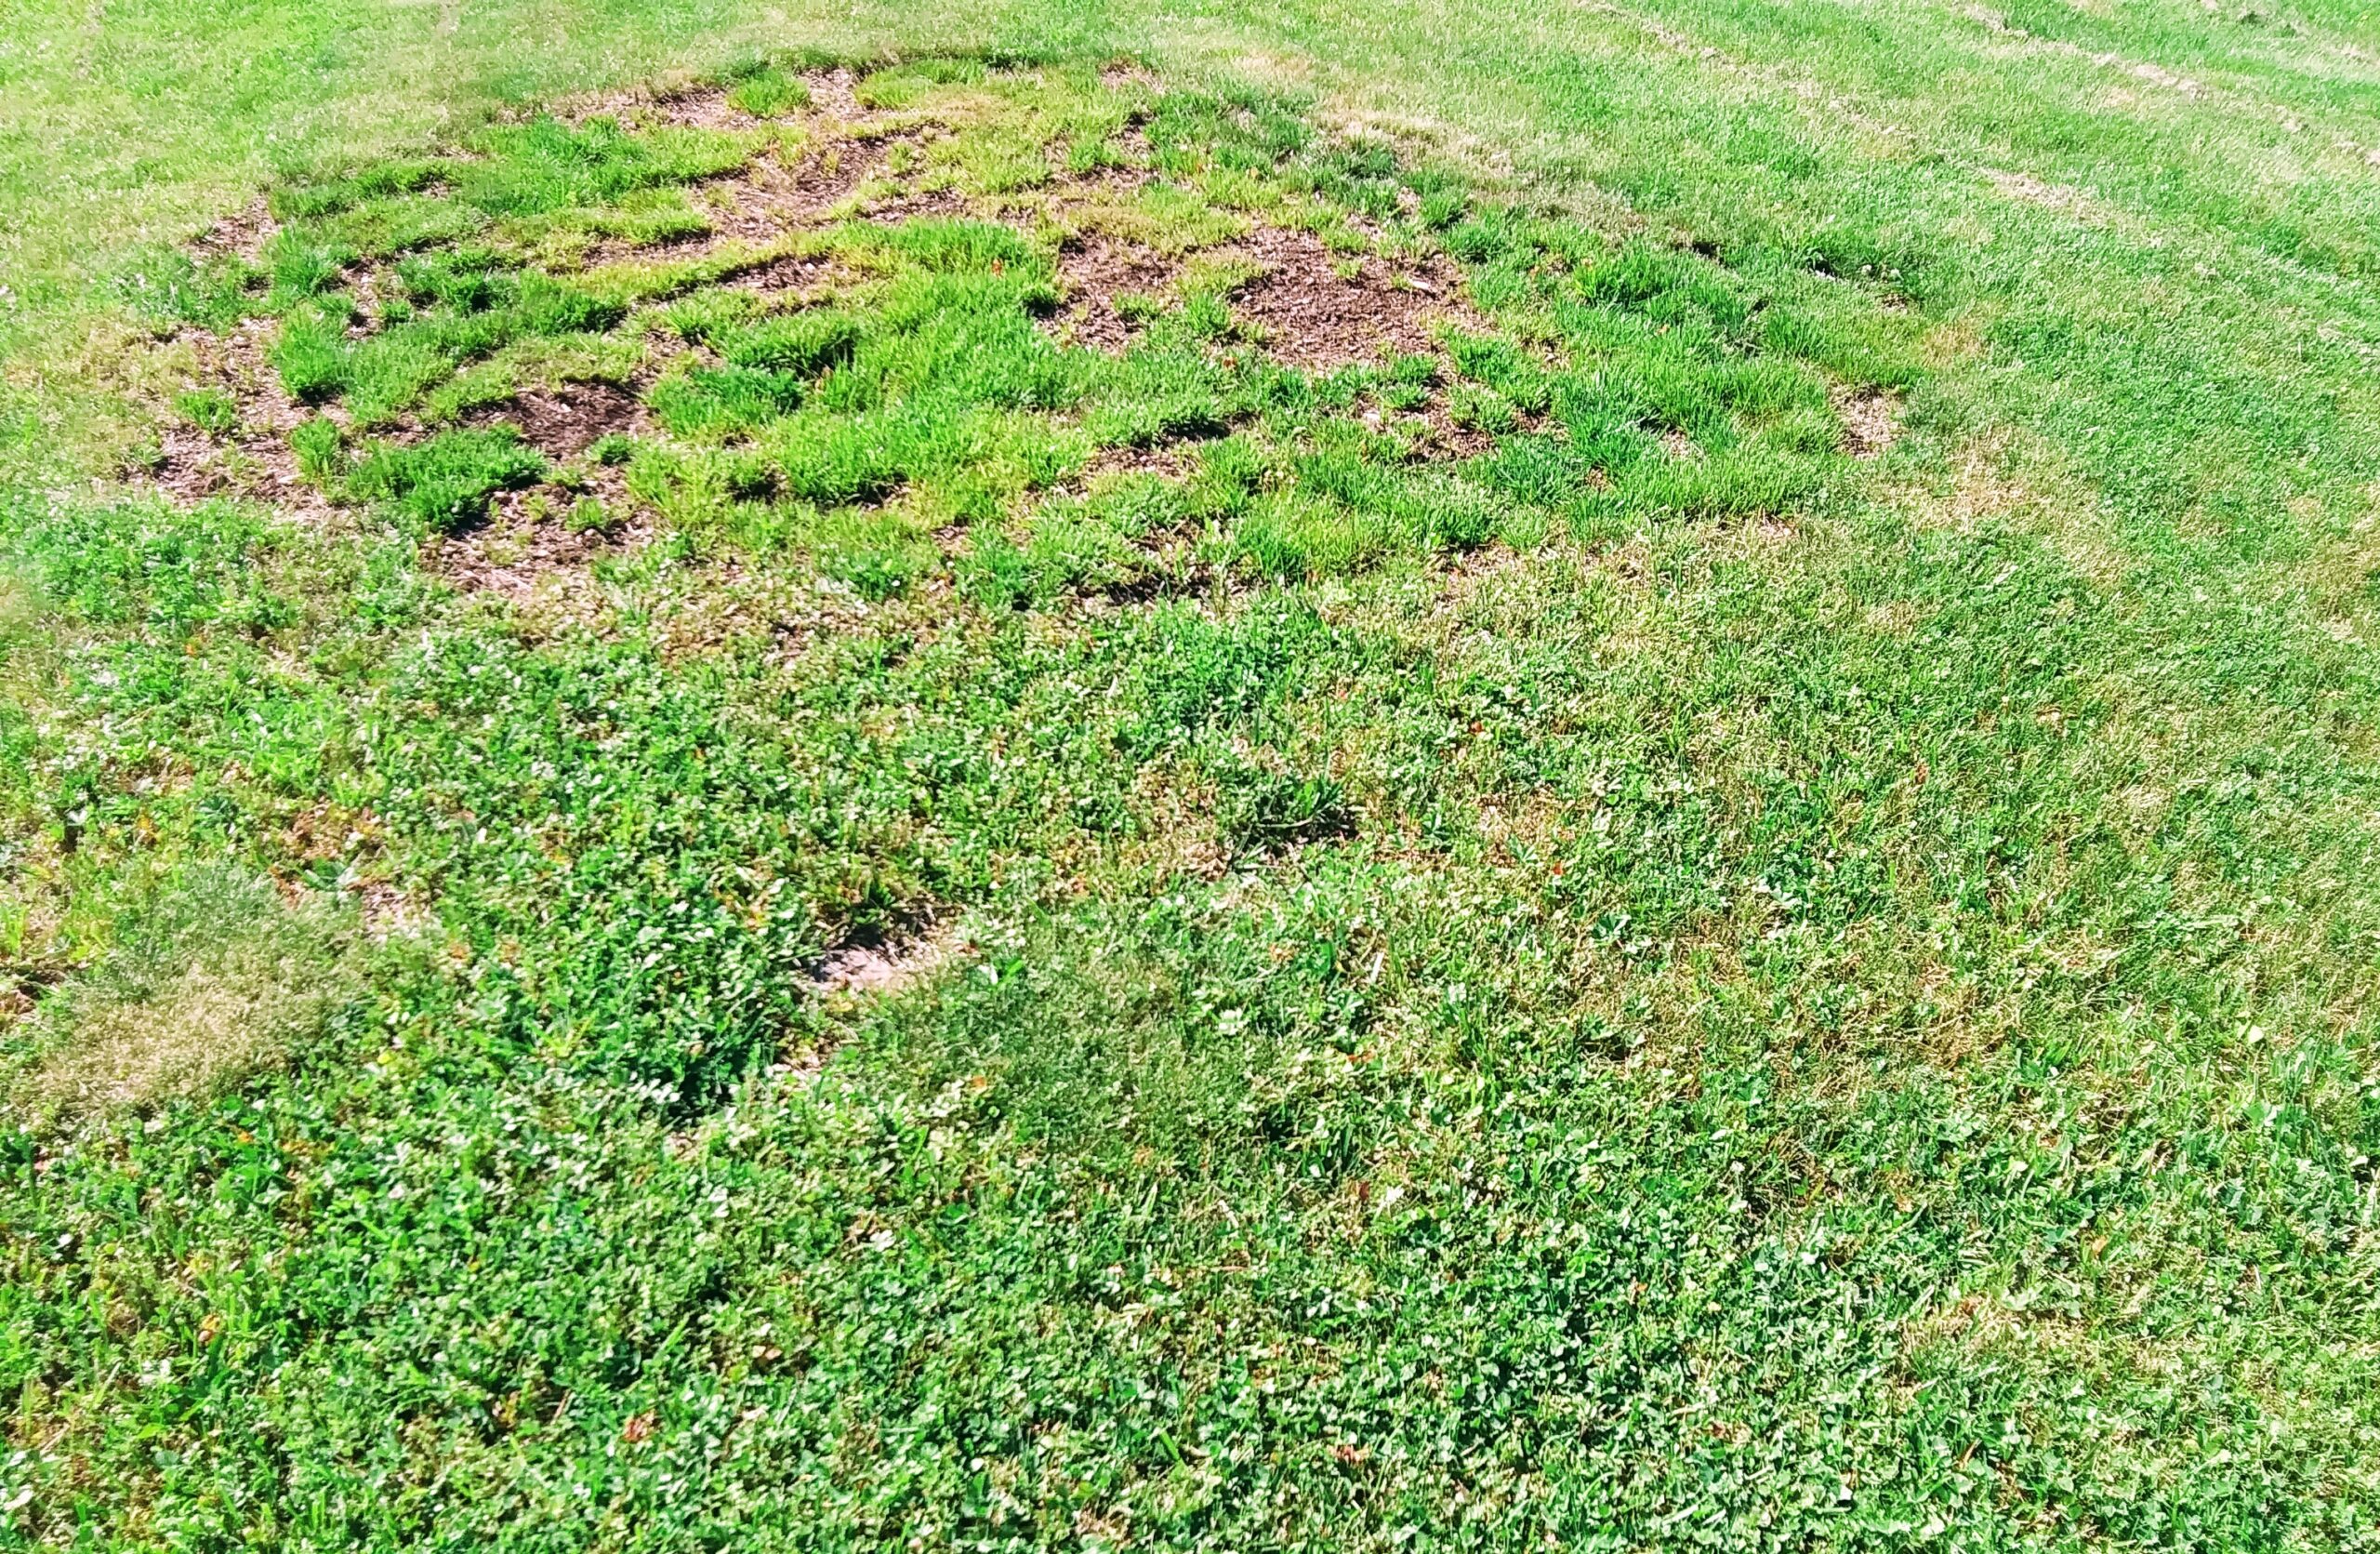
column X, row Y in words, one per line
column 215, row 981
column 920, row 300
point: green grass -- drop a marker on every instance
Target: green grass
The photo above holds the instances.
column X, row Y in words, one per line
column 446, row 483
column 1631, row 981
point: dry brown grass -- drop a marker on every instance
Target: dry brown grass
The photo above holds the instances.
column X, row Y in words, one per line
column 219, row 978
column 206, row 1027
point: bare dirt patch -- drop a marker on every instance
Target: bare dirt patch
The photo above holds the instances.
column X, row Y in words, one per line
column 1318, row 309
column 874, row 966
column 828, row 177
column 835, row 94
column 795, row 278
column 524, row 555
column 254, row 460
column 841, row 175
column 1096, row 273
column 1166, row 460
column 1870, row 422
column 568, row 421
column 241, row 236
column 1126, row 72
column 1439, row 438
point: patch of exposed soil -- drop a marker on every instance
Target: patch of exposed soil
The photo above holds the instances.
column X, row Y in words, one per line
column 766, row 201
column 23, row 984
column 1175, row 571
column 1438, row 437
column 871, row 965
column 1095, row 272
column 523, row 553
column 1125, row 72
column 695, row 107
column 241, row 236
column 775, row 196
column 1870, row 422
column 798, row 278
column 568, row 421
column 1167, row 460
column 389, row 913
column 835, row 94
column 254, row 460
column 1310, row 316
column 848, row 174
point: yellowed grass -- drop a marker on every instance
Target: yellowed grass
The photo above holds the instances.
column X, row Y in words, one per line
column 204, row 1031
column 228, row 980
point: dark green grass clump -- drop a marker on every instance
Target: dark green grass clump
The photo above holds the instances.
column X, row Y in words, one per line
column 446, row 483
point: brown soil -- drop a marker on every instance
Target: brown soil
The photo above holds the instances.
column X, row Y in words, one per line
column 796, row 277
column 1175, row 571
column 243, row 236
column 764, row 202
column 874, row 967
column 776, row 197
column 565, row 423
column 526, row 554
column 1870, row 422
column 1094, row 273
column 834, row 95
column 1126, row 72
column 1311, row 316
column 1438, row 438
column 841, row 175
column 254, row 461
column 1169, row 461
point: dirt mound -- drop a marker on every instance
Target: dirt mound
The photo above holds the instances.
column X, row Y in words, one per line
column 1104, row 281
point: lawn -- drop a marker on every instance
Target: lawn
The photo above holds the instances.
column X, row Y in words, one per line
column 1431, row 776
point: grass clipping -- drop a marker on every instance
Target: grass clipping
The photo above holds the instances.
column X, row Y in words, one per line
column 216, row 980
